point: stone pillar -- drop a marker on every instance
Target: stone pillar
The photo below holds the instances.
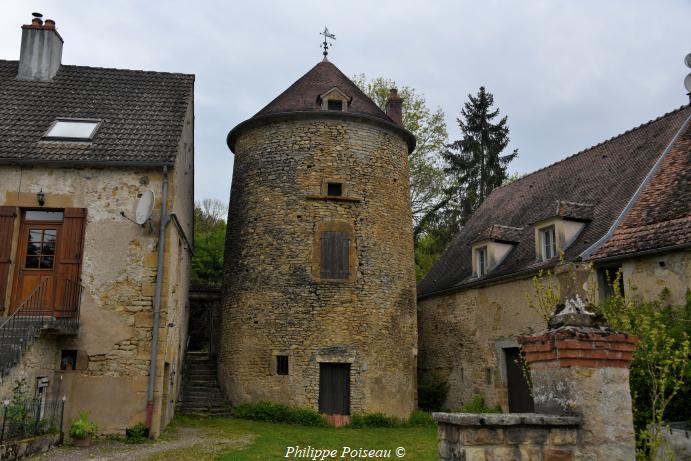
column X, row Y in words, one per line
column 580, row 367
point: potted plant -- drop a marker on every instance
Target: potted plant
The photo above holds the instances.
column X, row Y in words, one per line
column 82, row 429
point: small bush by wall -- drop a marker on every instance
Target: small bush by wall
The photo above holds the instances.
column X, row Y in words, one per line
column 432, row 391
column 277, row 413
column 478, row 405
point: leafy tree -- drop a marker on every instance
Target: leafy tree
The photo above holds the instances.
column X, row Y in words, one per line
column 209, row 238
column 427, row 177
column 475, row 164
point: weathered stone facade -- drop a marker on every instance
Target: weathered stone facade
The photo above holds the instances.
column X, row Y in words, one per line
column 275, row 301
column 462, row 336
column 118, row 276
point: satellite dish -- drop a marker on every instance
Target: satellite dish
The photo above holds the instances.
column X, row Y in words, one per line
column 687, row 83
column 687, row 60
column 144, row 207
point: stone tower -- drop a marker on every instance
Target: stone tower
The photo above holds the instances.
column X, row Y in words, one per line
column 319, row 290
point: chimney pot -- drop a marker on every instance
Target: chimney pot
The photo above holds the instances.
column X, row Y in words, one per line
column 36, row 22
column 49, row 24
column 394, row 106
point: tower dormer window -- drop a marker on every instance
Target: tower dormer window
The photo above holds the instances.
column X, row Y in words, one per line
column 335, row 100
column 64, row 129
column 548, row 243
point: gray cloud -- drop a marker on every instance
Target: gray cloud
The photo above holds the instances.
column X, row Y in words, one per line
column 568, row 74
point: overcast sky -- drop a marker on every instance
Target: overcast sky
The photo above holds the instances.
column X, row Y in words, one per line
column 568, row 74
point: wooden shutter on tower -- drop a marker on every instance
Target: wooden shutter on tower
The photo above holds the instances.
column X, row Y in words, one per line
column 335, row 248
column 70, row 252
column 7, row 216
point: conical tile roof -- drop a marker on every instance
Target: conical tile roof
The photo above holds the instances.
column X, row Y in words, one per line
column 303, row 95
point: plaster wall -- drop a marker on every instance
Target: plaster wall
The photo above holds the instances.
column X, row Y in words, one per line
column 648, row 276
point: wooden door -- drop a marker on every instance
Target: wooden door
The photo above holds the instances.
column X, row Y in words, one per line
column 36, row 274
column 334, row 388
column 520, row 400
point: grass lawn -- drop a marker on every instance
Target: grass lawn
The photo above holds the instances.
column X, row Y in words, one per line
column 268, row 441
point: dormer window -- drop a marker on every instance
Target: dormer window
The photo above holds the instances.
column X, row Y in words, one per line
column 65, row 129
column 335, row 100
column 481, row 261
column 548, row 243
column 488, row 253
column 335, row 104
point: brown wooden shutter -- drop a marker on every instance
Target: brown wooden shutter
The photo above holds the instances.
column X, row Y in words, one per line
column 70, row 260
column 7, row 216
column 334, row 255
column 334, row 388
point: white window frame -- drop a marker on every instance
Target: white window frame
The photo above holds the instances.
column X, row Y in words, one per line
column 95, row 122
column 548, row 247
column 481, row 261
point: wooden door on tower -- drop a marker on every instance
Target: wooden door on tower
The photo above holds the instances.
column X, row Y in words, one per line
column 334, row 389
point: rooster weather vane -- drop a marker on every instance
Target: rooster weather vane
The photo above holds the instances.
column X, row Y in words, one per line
column 326, row 45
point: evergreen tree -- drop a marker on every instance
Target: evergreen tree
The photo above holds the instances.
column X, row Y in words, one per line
column 475, row 164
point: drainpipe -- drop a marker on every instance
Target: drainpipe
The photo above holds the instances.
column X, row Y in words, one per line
column 157, row 302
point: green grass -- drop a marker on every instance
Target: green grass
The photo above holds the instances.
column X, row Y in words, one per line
column 262, row 441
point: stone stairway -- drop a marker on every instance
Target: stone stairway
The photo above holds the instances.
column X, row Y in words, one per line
column 201, row 394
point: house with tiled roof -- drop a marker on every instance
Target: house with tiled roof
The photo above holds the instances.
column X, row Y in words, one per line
column 96, row 204
column 622, row 205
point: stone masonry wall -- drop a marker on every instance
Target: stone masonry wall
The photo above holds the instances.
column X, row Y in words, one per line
column 273, row 302
column 461, row 335
column 507, row 437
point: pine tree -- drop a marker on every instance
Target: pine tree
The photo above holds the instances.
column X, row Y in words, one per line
column 475, row 164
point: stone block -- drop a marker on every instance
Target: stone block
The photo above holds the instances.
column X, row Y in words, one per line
column 475, row 454
column 557, row 454
column 143, row 319
column 482, row 436
column 563, row 437
column 529, row 435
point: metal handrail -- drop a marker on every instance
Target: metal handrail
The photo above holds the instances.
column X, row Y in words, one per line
column 21, row 328
column 39, row 288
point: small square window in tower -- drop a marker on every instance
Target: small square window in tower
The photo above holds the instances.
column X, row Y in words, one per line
column 281, row 364
column 335, row 248
column 334, row 189
column 335, row 104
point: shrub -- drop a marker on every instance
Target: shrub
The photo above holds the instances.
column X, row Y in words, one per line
column 82, row 427
column 373, row 420
column 136, row 434
column 478, row 405
column 432, row 391
column 277, row 413
column 419, row 418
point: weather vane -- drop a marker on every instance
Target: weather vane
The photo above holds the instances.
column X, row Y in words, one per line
column 326, row 44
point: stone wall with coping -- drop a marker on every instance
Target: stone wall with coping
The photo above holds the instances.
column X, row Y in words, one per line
column 580, row 385
column 507, row 437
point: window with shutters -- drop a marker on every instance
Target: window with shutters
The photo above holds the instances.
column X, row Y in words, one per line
column 335, row 247
column 333, row 252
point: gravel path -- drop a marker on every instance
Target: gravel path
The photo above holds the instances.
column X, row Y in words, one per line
column 110, row 450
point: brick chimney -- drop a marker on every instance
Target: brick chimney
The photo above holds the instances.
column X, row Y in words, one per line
column 394, row 106
column 41, row 51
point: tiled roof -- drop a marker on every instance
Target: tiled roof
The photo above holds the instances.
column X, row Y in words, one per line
column 661, row 217
column 302, row 96
column 600, row 179
column 142, row 113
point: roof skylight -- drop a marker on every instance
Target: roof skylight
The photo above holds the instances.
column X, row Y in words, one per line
column 72, row 129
